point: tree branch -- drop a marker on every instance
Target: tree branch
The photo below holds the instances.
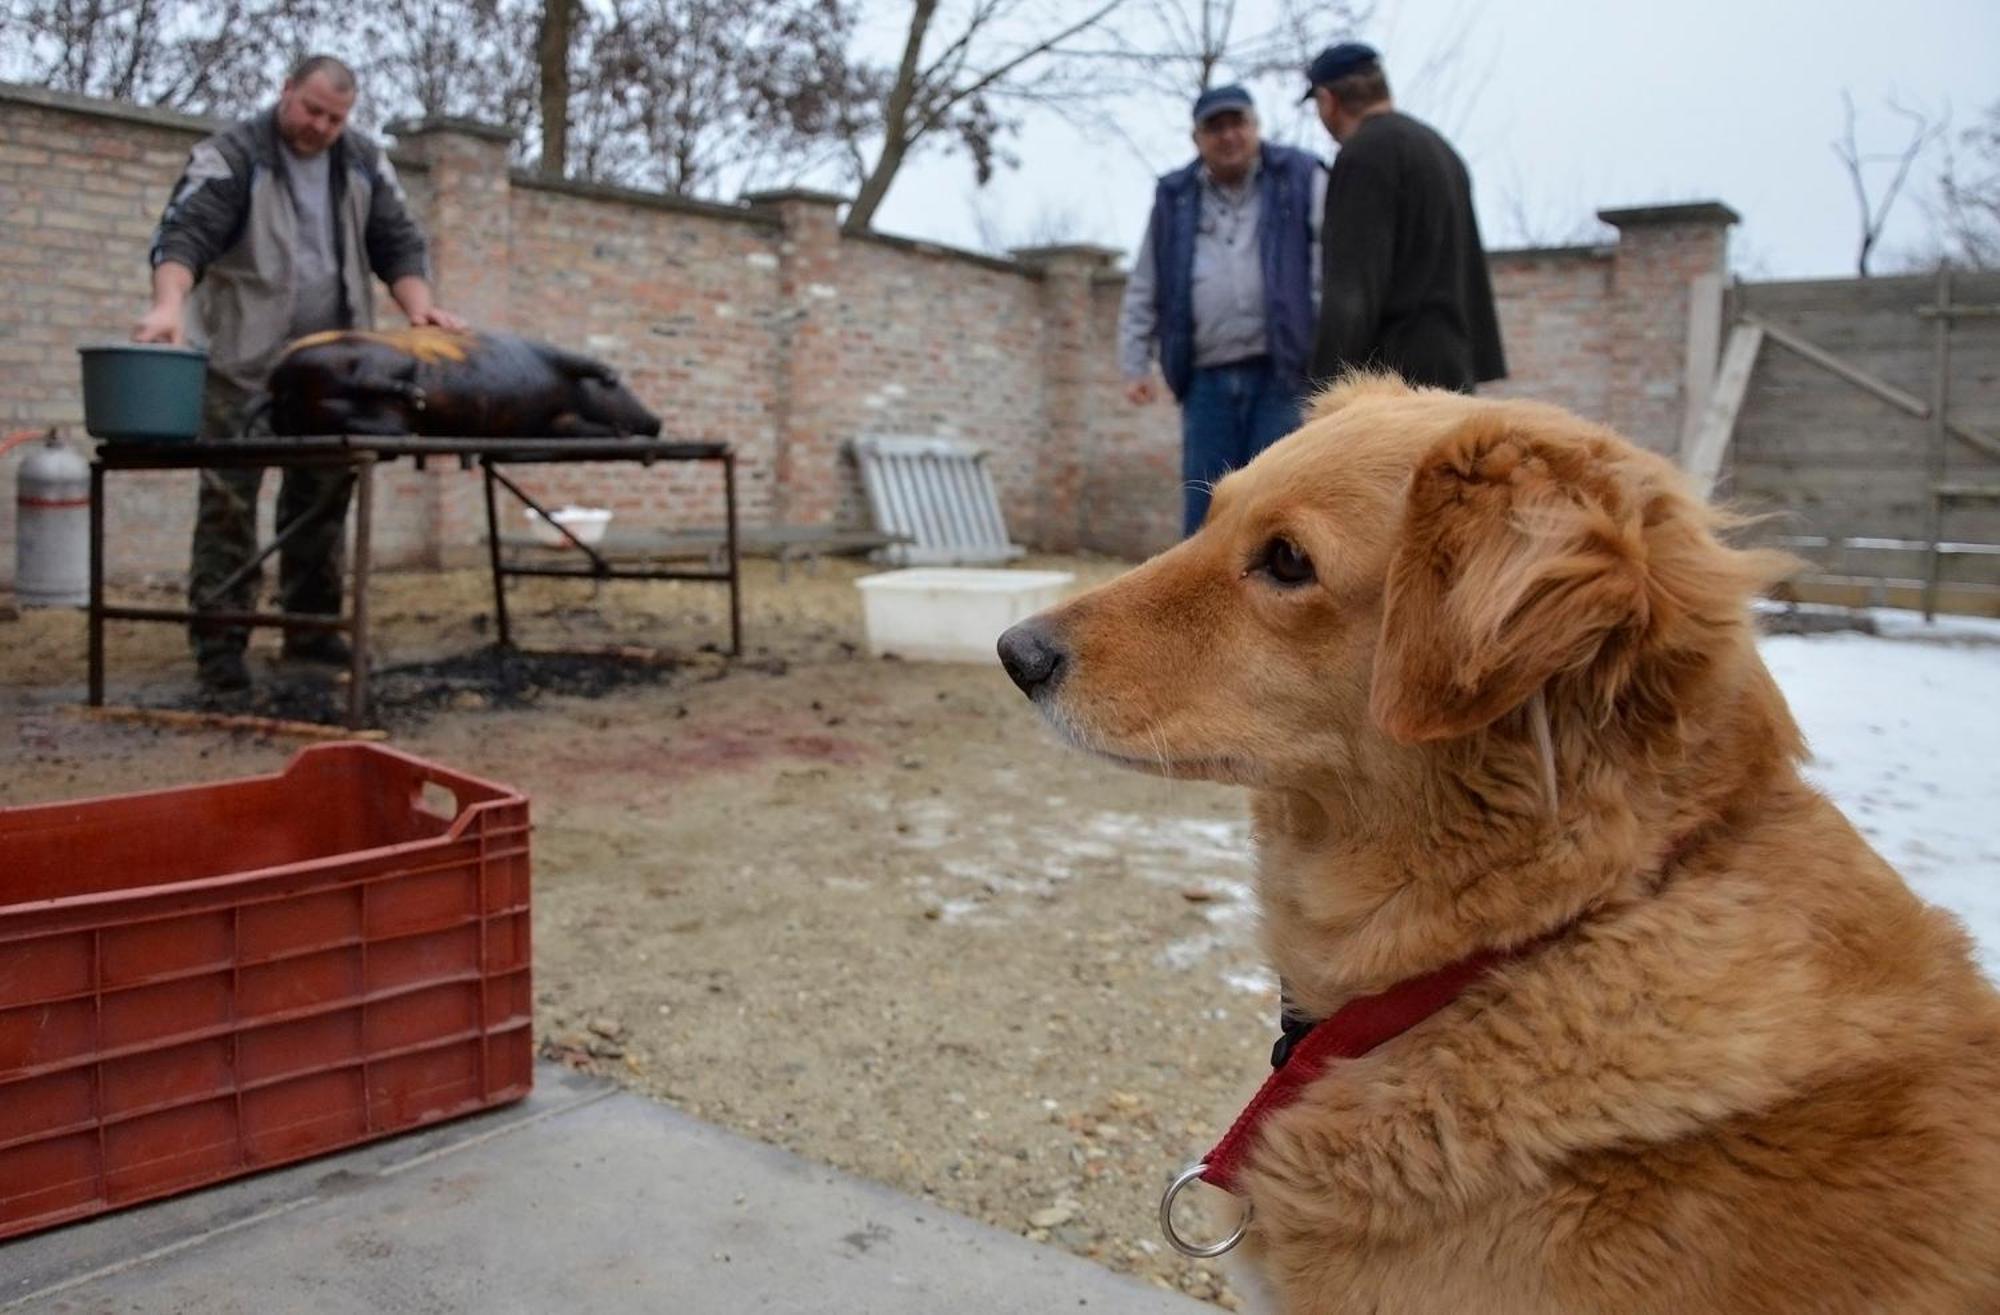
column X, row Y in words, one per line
column 1040, row 48
column 1875, row 217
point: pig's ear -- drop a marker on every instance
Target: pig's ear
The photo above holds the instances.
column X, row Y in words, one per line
column 576, row 364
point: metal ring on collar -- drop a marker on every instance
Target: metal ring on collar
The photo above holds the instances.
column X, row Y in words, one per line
column 1181, row 1244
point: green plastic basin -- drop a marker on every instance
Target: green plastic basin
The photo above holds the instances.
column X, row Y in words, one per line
column 143, row 392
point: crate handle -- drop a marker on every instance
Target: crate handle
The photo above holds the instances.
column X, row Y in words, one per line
column 436, row 798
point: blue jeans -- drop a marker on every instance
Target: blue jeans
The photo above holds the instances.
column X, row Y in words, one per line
column 1230, row 414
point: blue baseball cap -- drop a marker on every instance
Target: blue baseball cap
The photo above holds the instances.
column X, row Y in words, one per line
column 1217, row 99
column 1336, row 62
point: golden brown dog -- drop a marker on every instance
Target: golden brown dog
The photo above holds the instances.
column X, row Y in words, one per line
column 1490, row 675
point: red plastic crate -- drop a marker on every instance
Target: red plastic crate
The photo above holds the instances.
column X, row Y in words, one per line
column 203, row 982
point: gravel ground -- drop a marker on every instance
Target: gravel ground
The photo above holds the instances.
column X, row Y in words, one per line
column 864, row 909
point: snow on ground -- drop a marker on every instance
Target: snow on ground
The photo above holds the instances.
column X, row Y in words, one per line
column 1903, row 727
column 1904, row 732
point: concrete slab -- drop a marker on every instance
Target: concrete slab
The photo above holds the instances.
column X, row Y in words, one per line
column 581, row 1199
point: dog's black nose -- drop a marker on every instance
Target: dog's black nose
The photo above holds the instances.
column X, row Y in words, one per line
column 1031, row 655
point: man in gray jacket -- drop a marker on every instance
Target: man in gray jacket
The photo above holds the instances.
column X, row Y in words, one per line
column 271, row 233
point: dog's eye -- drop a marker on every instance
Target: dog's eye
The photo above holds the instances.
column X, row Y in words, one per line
column 1285, row 563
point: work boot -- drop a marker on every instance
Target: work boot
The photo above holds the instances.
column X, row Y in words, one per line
column 320, row 646
column 223, row 673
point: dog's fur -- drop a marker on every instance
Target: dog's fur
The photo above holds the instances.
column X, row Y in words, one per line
column 1751, row 1072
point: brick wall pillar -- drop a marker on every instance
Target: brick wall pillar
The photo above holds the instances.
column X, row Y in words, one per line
column 810, row 382
column 469, row 228
column 1669, row 262
column 469, row 225
column 1070, row 348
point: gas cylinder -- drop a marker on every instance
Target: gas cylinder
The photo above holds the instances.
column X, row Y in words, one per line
column 52, row 527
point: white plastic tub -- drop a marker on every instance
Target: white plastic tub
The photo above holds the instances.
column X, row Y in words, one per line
column 938, row 614
column 586, row 523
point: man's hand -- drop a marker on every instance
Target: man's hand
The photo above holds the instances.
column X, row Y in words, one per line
column 160, row 324
column 172, row 281
column 441, row 317
column 1141, row 391
column 413, row 293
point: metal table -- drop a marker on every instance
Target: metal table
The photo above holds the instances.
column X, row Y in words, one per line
column 363, row 453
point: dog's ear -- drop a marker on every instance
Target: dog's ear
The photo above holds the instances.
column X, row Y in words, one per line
column 1522, row 556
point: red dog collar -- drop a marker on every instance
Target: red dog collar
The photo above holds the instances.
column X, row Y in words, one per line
column 1304, row 1053
column 1355, row 1029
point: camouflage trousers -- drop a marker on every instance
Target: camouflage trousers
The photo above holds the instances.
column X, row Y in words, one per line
column 310, row 565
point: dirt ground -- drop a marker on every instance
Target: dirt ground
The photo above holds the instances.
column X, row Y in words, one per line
column 865, row 909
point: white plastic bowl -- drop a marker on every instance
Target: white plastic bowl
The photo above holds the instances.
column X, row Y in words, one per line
column 586, row 523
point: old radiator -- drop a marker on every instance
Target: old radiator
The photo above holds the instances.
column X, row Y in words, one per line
column 939, row 494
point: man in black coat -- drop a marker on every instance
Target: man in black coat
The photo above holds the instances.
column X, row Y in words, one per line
column 1404, row 284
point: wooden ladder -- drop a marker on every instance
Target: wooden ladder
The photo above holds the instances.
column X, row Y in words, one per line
column 1944, row 492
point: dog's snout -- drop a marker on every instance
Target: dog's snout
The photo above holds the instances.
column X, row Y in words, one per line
column 1031, row 655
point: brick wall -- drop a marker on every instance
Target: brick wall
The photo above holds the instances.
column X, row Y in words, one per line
column 1662, row 251
column 1554, row 322
column 1129, row 502
column 893, row 338
column 683, row 302
column 758, row 323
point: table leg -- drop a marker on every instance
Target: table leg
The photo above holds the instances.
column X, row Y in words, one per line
column 364, row 540
column 735, row 557
column 493, row 556
column 96, row 585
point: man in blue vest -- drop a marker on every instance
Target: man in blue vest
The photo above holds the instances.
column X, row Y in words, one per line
column 1226, row 287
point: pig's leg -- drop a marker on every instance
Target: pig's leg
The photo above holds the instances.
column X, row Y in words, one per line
column 571, row 425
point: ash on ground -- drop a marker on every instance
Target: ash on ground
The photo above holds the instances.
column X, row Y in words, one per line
column 404, row 696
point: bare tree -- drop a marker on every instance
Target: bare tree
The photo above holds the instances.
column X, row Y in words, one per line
column 1969, row 195
column 688, row 95
column 552, row 48
column 1180, row 48
column 459, row 58
column 227, row 57
column 220, row 57
column 954, row 79
column 1160, row 54
column 1875, row 215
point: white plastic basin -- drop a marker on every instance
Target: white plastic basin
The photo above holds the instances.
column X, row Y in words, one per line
column 941, row 614
column 586, row 523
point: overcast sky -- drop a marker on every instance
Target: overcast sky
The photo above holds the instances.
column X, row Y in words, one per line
column 1562, row 107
